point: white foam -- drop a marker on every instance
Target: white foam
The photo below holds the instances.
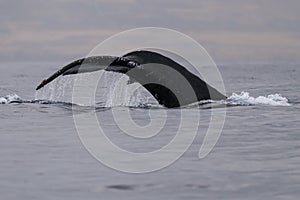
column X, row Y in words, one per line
column 245, row 99
column 9, row 98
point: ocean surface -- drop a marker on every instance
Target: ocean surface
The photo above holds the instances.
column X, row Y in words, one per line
column 256, row 157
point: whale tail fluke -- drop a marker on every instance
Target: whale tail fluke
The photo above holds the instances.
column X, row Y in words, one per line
column 153, row 71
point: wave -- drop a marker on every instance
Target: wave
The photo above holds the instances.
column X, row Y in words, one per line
column 242, row 99
column 14, row 98
column 10, row 99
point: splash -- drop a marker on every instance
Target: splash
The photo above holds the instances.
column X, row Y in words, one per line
column 244, row 99
column 10, row 99
column 60, row 90
column 113, row 89
column 120, row 91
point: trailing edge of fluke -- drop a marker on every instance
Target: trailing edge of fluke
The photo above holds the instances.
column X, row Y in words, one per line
column 170, row 83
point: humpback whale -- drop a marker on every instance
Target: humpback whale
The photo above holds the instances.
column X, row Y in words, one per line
column 157, row 73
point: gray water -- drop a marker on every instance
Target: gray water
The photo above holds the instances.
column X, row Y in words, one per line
column 256, row 157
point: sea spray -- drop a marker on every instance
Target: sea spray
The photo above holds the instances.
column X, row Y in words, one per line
column 245, row 99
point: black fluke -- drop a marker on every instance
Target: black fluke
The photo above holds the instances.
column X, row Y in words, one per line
column 170, row 83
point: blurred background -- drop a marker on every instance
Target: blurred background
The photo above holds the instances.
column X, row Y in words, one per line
column 231, row 31
column 256, row 45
